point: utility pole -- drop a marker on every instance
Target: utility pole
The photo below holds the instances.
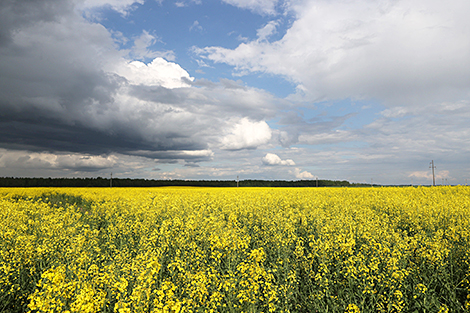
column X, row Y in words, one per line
column 111, row 181
column 237, row 181
column 433, row 177
column 317, row 181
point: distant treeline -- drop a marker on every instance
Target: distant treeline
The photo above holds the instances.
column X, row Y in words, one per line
column 128, row 182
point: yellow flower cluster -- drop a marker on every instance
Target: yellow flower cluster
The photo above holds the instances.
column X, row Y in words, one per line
column 235, row 249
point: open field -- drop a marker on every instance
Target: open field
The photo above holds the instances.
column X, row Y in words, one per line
column 235, row 249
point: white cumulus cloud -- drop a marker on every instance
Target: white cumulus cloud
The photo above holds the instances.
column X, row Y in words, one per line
column 299, row 174
column 247, row 134
column 157, row 73
column 274, row 159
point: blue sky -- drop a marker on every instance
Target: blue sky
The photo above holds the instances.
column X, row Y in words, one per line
column 180, row 28
column 267, row 89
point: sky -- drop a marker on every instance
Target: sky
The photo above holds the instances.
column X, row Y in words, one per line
column 364, row 91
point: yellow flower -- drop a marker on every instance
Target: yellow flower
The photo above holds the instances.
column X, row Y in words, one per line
column 352, row 308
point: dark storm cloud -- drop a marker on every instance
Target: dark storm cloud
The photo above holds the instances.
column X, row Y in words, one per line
column 59, row 92
column 15, row 14
column 51, row 77
column 39, row 130
column 43, row 136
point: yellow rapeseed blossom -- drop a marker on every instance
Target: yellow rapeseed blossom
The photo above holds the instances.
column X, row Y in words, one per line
column 171, row 249
column 352, row 308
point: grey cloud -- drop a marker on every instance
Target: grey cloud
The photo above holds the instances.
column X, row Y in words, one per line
column 15, row 14
column 399, row 53
column 29, row 160
column 192, row 165
column 295, row 125
column 50, row 70
column 439, row 130
column 210, row 99
column 158, row 94
column 52, row 135
column 170, row 156
column 60, row 93
column 395, row 146
column 230, row 84
column 203, row 83
column 170, row 119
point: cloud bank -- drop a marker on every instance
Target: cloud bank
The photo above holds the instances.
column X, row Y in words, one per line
column 67, row 87
column 393, row 51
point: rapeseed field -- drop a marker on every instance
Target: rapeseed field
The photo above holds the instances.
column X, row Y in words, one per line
column 235, row 249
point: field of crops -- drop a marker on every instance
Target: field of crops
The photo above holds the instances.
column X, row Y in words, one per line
column 235, row 250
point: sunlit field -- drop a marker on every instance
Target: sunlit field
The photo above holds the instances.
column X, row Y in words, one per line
column 235, row 249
